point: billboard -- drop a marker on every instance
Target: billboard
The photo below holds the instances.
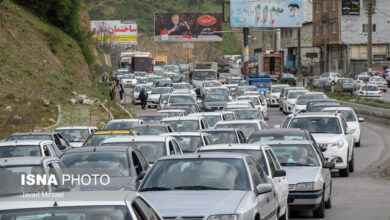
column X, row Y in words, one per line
column 116, row 32
column 265, row 13
column 350, row 7
column 187, row 27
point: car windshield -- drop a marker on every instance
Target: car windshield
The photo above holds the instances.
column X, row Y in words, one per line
column 234, row 81
column 370, row 88
column 189, row 144
column 253, row 99
column 123, row 125
column 146, row 87
column 151, row 130
column 244, row 114
column 29, row 137
column 164, row 83
column 87, row 212
column 203, row 75
column 212, row 119
column 310, row 104
column 175, row 114
column 330, row 125
column 223, row 137
column 161, row 90
column 304, row 99
column 256, row 154
column 348, row 114
column 294, row 95
column 325, row 75
column 128, row 76
column 296, row 155
column 216, row 98
column 113, row 164
column 219, row 90
column 139, row 74
column 260, row 84
column 198, row 174
column 277, row 136
column 246, row 128
column 183, row 86
column 96, row 139
column 347, row 81
column 183, row 125
column 181, row 99
column 20, row 151
column 211, row 84
column 74, row 135
column 276, row 89
column 377, row 79
column 11, row 179
column 151, row 119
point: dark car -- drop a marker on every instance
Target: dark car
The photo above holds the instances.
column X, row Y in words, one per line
column 152, row 118
column 214, row 101
column 60, row 141
column 226, row 135
column 194, row 107
column 280, row 134
column 153, row 129
column 163, row 83
column 311, row 103
column 122, row 164
column 288, row 78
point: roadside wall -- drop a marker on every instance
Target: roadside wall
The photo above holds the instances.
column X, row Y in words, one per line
column 381, row 114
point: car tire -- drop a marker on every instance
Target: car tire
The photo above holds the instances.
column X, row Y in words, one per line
column 352, row 164
column 286, row 214
column 357, row 144
column 320, row 211
column 328, row 204
column 344, row 172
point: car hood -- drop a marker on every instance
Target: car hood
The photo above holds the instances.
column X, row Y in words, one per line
column 115, row 184
column 78, row 144
column 276, row 94
column 326, row 138
column 352, row 124
column 194, row 203
column 301, row 174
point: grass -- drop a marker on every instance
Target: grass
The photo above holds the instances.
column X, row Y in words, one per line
column 358, row 100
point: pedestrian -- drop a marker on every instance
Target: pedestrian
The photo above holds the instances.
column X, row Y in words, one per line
column 121, row 90
column 105, row 77
column 112, row 90
column 143, row 96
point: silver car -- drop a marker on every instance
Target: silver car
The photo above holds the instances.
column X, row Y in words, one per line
column 308, row 175
column 210, row 186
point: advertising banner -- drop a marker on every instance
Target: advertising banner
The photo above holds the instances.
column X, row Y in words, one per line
column 187, row 27
column 116, row 32
column 350, row 7
column 265, row 13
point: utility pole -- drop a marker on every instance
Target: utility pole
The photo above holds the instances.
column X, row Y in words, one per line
column 369, row 36
column 299, row 57
column 246, row 52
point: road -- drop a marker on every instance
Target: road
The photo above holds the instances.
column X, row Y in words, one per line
column 360, row 196
column 386, row 96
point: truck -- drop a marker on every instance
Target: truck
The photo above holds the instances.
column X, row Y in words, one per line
column 263, row 83
column 201, row 71
column 272, row 65
column 253, row 65
column 161, row 61
column 142, row 63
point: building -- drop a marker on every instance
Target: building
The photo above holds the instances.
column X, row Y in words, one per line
column 289, row 42
column 340, row 31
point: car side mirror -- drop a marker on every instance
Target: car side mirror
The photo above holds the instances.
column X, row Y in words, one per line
column 323, row 148
column 361, row 119
column 279, row 173
column 329, row 165
column 348, row 131
column 199, row 101
column 263, row 188
column 276, row 126
column 140, row 176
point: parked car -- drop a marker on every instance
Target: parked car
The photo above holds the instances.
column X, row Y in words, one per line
column 247, row 126
column 152, row 147
column 380, row 82
column 362, row 79
column 121, row 163
column 265, row 157
column 190, row 141
column 29, row 148
column 368, row 91
column 152, row 129
column 308, row 175
column 151, row 118
column 122, row 124
column 226, row 135
column 76, row 135
column 186, row 123
column 59, row 141
column 236, row 188
column 83, row 205
column 332, row 135
column 332, row 78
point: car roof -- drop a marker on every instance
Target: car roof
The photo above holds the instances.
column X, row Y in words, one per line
column 119, row 131
column 219, row 129
column 280, row 131
column 275, row 142
column 141, row 138
column 171, row 110
column 99, row 149
column 280, row 85
column 182, row 118
column 238, row 122
column 17, row 161
column 205, row 113
column 150, row 126
column 183, row 134
column 124, row 120
column 151, row 114
column 254, row 146
column 320, row 114
column 33, row 133
column 337, row 108
column 23, row 142
column 205, row 155
column 69, row 199
column 75, row 127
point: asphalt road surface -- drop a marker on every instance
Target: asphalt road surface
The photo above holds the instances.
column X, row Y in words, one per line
column 361, row 196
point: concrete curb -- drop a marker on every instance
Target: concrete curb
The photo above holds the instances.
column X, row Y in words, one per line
column 124, row 109
column 108, row 111
column 57, row 122
column 381, row 114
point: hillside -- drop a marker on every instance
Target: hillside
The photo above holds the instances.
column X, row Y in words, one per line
column 143, row 12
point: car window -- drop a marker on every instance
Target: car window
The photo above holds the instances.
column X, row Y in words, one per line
column 271, row 162
column 241, row 137
column 254, row 172
column 143, row 211
column 136, row 162
column 274, row 160
column 142, row 159
column 344, row 123
column 171, row 148
column 176, row 146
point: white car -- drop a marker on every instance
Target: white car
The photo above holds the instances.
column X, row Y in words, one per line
column 129, row 80
column 265, row 157
column 184, row 86
column 122, row 124
column 302, row 100
column 368, row 91
column 137, row 89
column 332, row 135
column 332, row 78
column 352, row 120
column 239, row 104
column 274, row 95
column 213, row 117
column 248, row 127
column 154, row 97
column 186, row 123
column 206, row 85
column 174, row 112
column 76, row 135
column 257, row 102
column 283, row 95
column 190, row 141
column 380, row 82
column 291, row 99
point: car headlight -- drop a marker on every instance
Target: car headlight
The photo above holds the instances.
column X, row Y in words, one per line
column 338, row 144
column 222, row 217
column 306, row 186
